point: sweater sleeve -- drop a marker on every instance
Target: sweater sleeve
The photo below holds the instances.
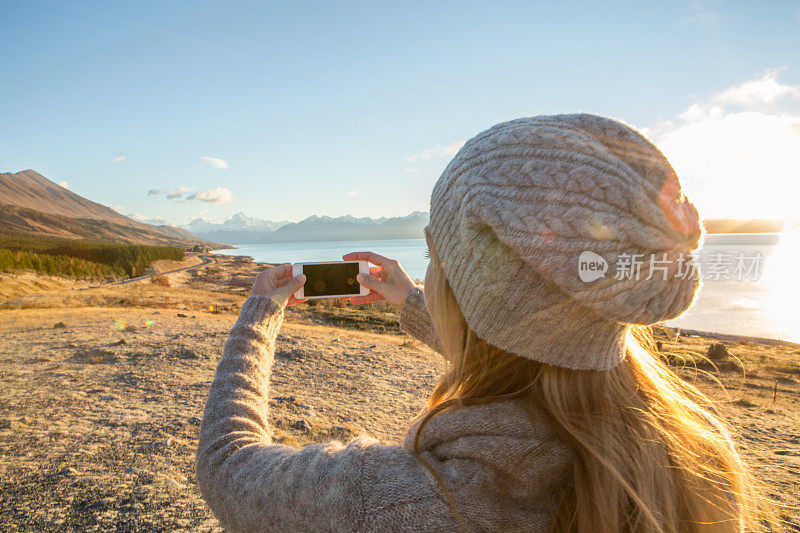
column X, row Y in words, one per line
column 252, row 484
column 416, row 320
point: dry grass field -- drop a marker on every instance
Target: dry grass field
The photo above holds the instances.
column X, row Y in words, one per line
column 102, row 389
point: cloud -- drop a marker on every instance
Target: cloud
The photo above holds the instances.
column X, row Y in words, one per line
column 154, row 221
column 118, row 159
column 701, row 14
column 352, row 194
column 64, row 184
column 171, row 194
column 412, row 171
column 177, row 193
column 220, row 195
column 438, row 152
column 118, row 208
column 215, row 162
column 737, row 152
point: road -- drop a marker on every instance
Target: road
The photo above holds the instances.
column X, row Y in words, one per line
column 204, row 260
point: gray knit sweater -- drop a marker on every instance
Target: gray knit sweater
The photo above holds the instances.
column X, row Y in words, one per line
column 252, row 484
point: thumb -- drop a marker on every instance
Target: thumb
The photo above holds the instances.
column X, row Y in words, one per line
column 291, row 286
column 371, row 283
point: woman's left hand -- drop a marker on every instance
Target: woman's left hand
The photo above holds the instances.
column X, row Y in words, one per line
column 277, row 282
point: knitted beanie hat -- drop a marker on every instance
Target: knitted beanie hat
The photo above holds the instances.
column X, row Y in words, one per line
column 556, row 233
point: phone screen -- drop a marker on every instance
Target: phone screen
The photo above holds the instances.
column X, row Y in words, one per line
column 333, row 279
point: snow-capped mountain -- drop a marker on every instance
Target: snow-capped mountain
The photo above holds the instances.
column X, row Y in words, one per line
column 244, row 229
column 349, row 228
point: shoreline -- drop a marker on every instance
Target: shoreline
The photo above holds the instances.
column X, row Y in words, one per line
column 766, row 341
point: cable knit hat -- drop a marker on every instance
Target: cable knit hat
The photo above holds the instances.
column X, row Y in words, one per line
column 558, row 232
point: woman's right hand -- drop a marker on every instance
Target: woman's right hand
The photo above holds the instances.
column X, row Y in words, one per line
column 387, row 281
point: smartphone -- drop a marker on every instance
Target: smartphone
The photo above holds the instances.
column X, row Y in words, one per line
column 331, row 279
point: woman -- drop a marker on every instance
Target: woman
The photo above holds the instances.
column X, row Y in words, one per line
column 550, row 239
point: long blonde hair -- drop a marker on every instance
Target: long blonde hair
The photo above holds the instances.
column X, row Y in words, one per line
column 650, row 453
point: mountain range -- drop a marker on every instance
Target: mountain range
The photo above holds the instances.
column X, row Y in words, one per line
column 31, row 203
column 243, row 229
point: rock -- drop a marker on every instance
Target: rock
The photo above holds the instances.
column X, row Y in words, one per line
column 718, row 352
column 171, row 483
column 291, row 354
column 183, row 315
column 787, row 452
column 59, row 325
column 94, row 356
column 109, row 397
column 72, row 345
column 67, row 471
column 304, row 406
column 301, row 425
column 285, row 399
column 156, row 313
column 195, row 421
column 120, row 342
column 341, row 433
column 181, row 352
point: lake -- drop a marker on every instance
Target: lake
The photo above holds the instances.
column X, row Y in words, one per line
column 759, row 301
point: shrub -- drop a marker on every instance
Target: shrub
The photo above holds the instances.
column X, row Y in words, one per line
column 161, row 280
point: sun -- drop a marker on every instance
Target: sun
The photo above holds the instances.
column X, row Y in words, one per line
column 783, row 277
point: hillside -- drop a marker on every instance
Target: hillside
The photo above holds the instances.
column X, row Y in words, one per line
column 32, row 203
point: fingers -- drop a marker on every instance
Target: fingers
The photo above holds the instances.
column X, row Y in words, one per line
column 289, row 286
column 274, row 274
column 371, row 297
column 375, row 272
column 294, row 301
column 372, row 257
column 371, row 283
column 282, row 271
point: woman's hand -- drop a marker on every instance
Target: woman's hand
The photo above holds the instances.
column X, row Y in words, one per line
column 277, row 282
column 387, row 281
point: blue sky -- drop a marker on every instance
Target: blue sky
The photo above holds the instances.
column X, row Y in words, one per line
column 176, row 110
